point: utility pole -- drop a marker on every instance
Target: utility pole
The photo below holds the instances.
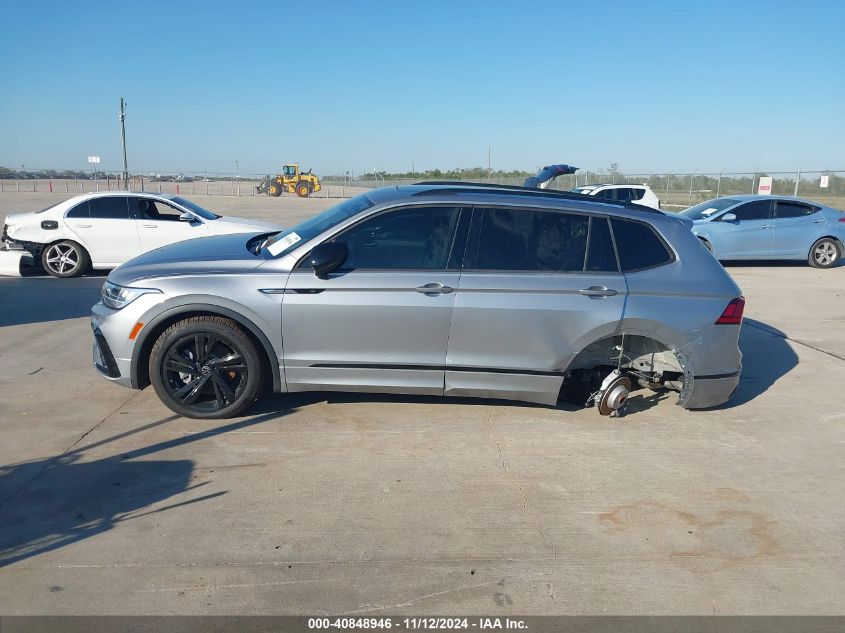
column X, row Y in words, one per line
column 123, row 139
column 489, row 169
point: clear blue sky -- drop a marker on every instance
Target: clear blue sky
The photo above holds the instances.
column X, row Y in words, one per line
column 652, row 86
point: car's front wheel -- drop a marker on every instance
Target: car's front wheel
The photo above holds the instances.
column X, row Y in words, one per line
column 206, row 367
column 65, row 259
column 825, row 253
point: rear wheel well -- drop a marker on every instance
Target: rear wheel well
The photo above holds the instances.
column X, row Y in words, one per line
column 651, row 363
column 830, row 237
column 142, row 366
column 47, row 245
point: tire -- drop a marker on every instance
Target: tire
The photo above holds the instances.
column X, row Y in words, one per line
column 303, row 189
column 228, row 378
column 65, row 259
column 274, row 190
column 825, row 253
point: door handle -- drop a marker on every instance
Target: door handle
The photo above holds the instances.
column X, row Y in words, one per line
column 766, row 226
column 150, row 226
column 435, row 288
column 597, row 291
column 83, row 226
column 818, row 221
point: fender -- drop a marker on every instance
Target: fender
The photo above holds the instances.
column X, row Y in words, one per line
column 191, row 308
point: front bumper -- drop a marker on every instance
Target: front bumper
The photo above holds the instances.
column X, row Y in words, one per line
column 112, row 350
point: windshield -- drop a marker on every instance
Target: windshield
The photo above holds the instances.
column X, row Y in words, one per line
column 706, row 209
column 193, row 206
column 283, row 242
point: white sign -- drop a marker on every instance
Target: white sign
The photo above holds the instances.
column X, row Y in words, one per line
column 288, row 240
column 94, row 160
column 764, row 187
column 824, row 182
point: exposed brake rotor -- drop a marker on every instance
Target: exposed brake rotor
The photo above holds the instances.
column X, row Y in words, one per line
column 614, row 396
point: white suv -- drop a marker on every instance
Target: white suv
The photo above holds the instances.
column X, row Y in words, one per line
column 638, row 194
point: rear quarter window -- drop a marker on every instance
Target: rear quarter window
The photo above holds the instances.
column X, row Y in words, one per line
column 638, row 245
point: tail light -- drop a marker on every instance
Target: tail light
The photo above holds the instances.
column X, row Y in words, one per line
column 732, row 314
column 842, row 219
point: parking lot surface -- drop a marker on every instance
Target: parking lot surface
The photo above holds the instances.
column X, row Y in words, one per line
column 341, row 503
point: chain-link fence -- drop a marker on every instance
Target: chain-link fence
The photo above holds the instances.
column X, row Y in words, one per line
column 675, row 190
column 201, row 184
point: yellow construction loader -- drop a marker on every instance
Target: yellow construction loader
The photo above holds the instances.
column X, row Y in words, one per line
column 291, row 180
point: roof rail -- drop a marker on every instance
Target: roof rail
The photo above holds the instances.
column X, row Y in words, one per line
column 462, row 186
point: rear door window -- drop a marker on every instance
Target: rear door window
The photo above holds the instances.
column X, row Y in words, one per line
column 624, row 194
column 637, row 193
column 789, row 209
column 531, row 240
column 109, row 207
column 638, row 245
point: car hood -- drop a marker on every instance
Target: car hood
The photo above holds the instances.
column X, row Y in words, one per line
column 202, row 256
column 232, row 225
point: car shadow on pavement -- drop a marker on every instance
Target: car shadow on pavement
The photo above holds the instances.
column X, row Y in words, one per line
column 276, row 402
column 766, row 358
column 61, row 500
column 42, row 299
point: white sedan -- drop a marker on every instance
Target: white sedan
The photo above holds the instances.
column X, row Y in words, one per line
column 104, row 230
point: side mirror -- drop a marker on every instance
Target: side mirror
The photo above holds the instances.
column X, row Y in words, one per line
column 187, row 217
column 729, row 217
column 328, row 257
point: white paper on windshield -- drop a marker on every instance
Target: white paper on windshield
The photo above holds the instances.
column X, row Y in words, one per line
column 709, row 211
column 288, row 240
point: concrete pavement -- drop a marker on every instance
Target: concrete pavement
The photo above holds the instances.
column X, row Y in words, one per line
column 326, row 503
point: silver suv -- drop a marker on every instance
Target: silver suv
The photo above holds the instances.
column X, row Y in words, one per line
column 455, row 290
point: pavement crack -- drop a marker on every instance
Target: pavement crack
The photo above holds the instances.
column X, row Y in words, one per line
column 412, row 601
column 525, row 507
column 505, row 465
column 46, row 466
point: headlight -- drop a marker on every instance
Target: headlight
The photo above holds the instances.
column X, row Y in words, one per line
column 118, row 297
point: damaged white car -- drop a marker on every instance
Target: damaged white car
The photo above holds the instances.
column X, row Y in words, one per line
column 104, row 230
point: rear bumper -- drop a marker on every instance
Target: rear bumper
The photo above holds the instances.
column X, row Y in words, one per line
column 711, row 391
